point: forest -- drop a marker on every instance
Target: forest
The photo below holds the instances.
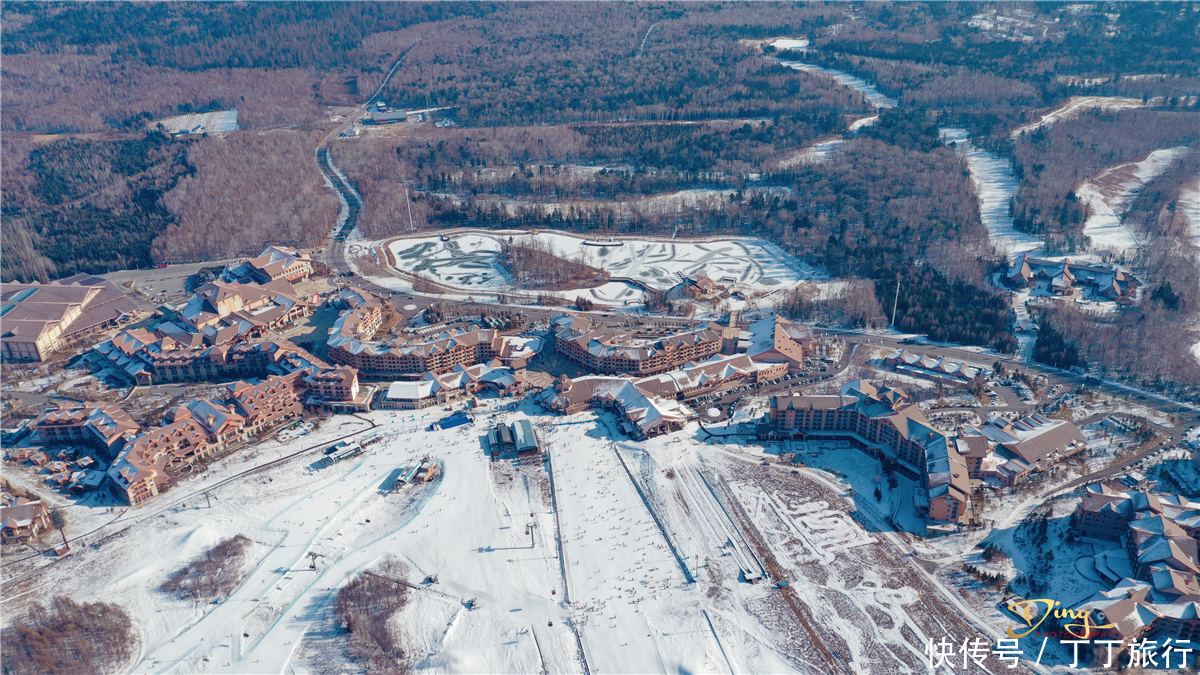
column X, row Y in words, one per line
column 65, row 638
column 1147, row 344
column 535, row 264
column 88, row 206
column 936, row 55
column 637, row 118
column 363, row 609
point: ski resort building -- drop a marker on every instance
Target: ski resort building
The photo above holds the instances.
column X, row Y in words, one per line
column 1035, row 440
column 23, row 520
column 338, row 390
column 146, row 358
column 101, row 424
column 605, row 351
column 1072, row 279
column 280, row 262
column 887, row 426
column 512, row 441
column 777, row 340
column 40, row 319
column 935, row 368
column 716, row 374
column 417, row 354
column 461, row 382
column 221, row 312
column 644, row 414
column 202, row 430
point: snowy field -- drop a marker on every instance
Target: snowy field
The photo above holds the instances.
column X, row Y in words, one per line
column 212, row 122
column 815, row 154
column 796, row 44
column 995, row 185
column 1108, row 194
column 469, row 261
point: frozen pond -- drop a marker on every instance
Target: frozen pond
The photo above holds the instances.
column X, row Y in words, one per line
column 874, row 96
column 995, row 185
column 470, row 261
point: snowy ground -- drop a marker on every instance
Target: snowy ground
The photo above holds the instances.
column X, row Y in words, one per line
column 813, row 154
column 1108, row 193
column 1189, row 204
column 995, row 185
column 620, row 593
column 468, row 260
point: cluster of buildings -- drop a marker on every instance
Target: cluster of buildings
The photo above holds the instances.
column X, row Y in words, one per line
column 935, row 368
column 154, row 358
column 1156, row 593
column 656, row 404
column 887, row 425
column 41, row 319
column 773, row 340
column 458, row 383
column 145, row 460
column 649, row 380
column 1070, row 279
column 219, row 312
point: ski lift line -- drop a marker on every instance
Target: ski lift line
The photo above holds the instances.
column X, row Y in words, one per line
column 687, row 574
column 725, row 529
column 718, row 639
column 746, row 547
column 562, row 561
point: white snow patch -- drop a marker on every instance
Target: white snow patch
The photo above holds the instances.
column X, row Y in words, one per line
column 211, row 122
column 797, row 44
column 1189, row 205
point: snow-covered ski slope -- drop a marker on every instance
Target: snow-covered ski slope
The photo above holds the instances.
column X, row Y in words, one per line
column 1108, row 194
column 995, row 185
